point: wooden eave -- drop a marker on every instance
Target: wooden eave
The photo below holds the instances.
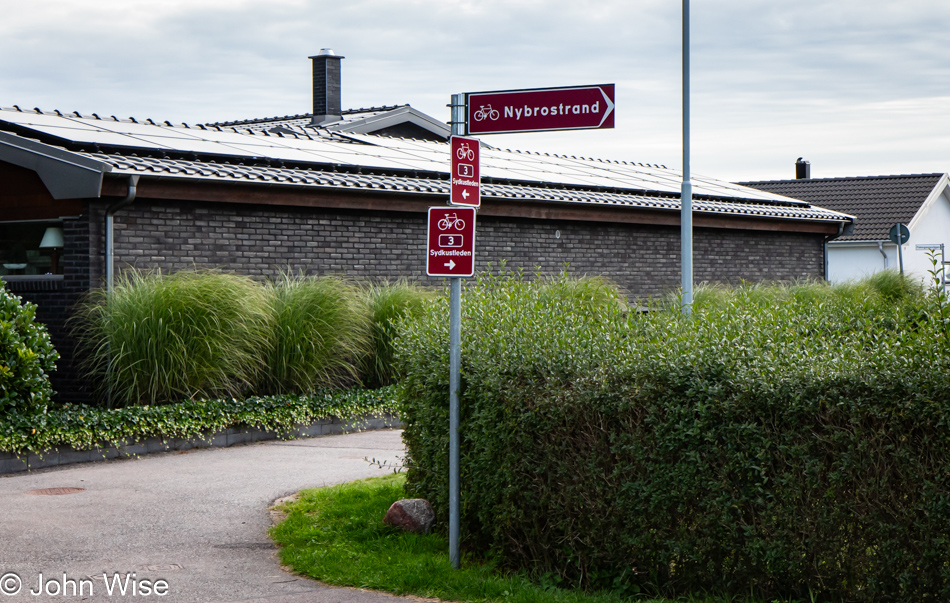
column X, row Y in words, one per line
column 23, row 196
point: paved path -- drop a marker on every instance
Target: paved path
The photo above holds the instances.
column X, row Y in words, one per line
column 197, row 520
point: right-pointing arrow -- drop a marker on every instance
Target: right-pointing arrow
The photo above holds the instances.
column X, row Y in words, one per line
column 610, row 106
column 450, row 264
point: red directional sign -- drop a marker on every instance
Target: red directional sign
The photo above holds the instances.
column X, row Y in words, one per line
column 466, row 172
column 451, row 235
column 541, row 109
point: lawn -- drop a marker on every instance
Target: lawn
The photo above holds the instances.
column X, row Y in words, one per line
column 336, row 535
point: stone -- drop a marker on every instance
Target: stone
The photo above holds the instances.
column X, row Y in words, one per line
column 411, row 515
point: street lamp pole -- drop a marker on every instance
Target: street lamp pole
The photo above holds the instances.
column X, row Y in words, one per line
column 686, row 210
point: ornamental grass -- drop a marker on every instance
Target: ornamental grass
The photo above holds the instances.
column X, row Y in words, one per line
column 166, row 338
column 161, row 339
column 386, row 304
column 319, row 332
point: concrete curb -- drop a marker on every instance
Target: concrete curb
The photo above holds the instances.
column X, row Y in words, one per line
column 29, row 461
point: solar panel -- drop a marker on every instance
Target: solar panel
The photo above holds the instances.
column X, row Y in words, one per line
column 315, row 146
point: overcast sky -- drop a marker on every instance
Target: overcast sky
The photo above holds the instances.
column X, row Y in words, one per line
column 858, row 87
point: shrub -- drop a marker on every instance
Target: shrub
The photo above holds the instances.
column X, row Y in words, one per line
column 782, row 442
column 318, row 334
column 887, row 286
column 386, row 303
column 26, row 358
column 160, row 339
column 506, row 321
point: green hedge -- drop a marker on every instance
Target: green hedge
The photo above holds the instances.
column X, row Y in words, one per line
column 783, row 442
column 26, row 357
column 86, row 428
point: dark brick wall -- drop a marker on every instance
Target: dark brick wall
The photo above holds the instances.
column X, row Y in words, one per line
column 55, row 301
column 263, row 241
column 731, row 256
column 643, row 260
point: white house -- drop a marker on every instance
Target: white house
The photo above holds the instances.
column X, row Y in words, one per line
column 919, row 201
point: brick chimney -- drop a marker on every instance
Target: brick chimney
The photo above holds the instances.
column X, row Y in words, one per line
column 326, row 87
column 802, row 169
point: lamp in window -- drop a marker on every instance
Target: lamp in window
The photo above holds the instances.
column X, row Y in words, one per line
column 53, row 240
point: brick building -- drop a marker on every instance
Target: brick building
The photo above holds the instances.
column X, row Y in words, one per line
column 335, row 192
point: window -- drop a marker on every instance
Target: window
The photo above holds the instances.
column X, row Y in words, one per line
column 30, row 248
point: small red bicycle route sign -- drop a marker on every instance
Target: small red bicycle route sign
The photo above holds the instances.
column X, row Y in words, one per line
column 466, row 172
column 451, row 236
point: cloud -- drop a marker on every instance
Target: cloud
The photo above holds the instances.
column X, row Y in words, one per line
column 858, row 85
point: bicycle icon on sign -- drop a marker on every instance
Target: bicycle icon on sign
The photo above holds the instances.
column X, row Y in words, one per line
column 486, row 112
column 465, row 152
column 451, row 221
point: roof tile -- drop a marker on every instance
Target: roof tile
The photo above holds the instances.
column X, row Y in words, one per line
column 878, row 202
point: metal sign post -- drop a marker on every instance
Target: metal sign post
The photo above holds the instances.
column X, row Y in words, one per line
column 899, row 234
column 534, row 110
column 455, row 362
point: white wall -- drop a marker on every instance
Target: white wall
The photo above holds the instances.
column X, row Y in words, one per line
column 930, row 226
column 851, row 261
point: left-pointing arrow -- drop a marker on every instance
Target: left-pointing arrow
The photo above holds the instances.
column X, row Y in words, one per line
column 465, row 194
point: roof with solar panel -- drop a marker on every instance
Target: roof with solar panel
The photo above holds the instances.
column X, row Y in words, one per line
column 290, row 151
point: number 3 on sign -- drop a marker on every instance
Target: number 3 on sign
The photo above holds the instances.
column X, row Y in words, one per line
column 450, row 240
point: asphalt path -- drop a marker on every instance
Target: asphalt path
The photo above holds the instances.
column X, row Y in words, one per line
column 186, row 526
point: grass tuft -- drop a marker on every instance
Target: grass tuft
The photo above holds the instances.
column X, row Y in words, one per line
column 318, row 334
column 160, row 339
column 386, row 303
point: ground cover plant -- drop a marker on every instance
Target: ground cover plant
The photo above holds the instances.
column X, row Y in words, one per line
column 26, row 358
column 787, row 441
column 84, row 427
column 336, row 535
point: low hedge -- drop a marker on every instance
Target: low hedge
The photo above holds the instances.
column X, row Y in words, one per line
column 86, row 428
column 790, row 444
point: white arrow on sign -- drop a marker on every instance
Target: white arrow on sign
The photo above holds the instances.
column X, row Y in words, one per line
column 450, row 264
column 465, row 194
